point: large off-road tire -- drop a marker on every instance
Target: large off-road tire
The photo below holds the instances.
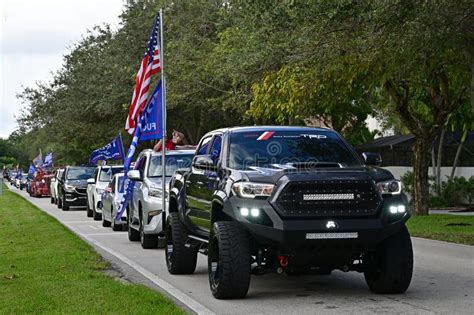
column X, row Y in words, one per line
column 64, row 204
column 133, row 235
column 389, row 269
column 229, row 261
column 179, row 258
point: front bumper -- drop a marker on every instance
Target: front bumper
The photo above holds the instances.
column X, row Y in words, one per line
column 291, row 235
column 75, row 199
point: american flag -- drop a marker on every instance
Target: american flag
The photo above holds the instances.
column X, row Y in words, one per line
column 150, row 65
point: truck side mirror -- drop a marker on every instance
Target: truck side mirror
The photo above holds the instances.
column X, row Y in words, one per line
column 90, row 181
column 372, row 158
column 204, row 162
column 134, row 175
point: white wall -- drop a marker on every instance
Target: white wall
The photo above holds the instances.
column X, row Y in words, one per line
column 466, row 172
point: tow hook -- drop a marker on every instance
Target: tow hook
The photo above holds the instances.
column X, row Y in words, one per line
column 283, row 261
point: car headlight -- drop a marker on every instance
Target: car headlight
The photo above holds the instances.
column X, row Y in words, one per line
column 68, row 187
column 252, row 190
column 390, row 187
column 156, row 192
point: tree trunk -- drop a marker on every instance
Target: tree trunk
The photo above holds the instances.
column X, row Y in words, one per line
column 458, row 151
column 420, row 168
column 439, row 160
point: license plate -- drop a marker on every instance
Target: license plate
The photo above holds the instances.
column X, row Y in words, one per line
column 332, row 236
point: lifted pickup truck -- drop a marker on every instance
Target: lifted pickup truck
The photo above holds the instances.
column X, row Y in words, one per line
column 297, row 200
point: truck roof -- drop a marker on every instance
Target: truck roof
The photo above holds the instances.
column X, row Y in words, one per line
column 265, row 128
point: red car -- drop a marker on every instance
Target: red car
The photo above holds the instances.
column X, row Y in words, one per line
column 39, row 185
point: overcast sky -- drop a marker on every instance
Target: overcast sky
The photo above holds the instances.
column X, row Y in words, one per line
column 35, row 34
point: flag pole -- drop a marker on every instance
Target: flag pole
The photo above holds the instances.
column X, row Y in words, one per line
column 163, row 117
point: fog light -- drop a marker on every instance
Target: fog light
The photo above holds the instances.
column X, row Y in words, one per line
column 393, row 209
column 255, row 212
column 401, row 209
column 244, row 211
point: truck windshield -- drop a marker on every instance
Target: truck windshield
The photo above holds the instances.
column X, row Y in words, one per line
column 173, row 162
column 287, row 148
column 106, row 174
column 80, row 173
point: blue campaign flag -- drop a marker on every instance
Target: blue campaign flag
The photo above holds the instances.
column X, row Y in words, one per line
column 31, row 170
column 48, row 160
column 151, row 126
column 38, row 160
column 148, row 127
column 112, row 150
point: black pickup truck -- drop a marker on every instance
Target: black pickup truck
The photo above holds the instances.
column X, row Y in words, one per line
column 293, row 200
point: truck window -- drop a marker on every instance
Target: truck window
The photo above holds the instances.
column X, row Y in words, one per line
column 204, row 146
column 216, row 148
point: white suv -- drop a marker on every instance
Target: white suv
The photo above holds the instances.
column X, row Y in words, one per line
column 96, row 186
column 146, row 218
column 53, row 186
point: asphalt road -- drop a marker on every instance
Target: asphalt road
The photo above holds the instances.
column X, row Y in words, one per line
column 443, row 280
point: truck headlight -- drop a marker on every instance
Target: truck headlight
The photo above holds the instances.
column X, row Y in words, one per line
column 391, row 187
column 252, row 190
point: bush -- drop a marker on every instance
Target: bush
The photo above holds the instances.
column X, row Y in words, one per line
column 454, row 193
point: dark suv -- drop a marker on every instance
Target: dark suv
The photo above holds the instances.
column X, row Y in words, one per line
column 72, row 187
column 287, row 199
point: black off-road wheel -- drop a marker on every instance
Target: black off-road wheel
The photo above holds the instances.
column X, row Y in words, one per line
column 179, row 258
column 229, row 261
column 133, row 235
column 389, row 269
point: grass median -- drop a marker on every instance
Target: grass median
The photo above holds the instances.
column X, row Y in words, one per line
column 45, row 268
column 443, row 227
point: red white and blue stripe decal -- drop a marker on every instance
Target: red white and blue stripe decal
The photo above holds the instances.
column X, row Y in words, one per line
column 265, row 136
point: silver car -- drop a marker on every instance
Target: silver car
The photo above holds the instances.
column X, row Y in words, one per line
column 96, row 186
column 111, row 203
column 146, row 217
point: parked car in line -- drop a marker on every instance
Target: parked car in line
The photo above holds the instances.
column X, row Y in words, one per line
column 53, row 187
column 110, row 204
column 22, row 182
column 293, row 200
column 39, row 184
column 12, row 177
column 145, row 215
column 96, row 186
column 72, row 188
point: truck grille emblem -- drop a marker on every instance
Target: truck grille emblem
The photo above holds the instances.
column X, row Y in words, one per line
column 331, row 225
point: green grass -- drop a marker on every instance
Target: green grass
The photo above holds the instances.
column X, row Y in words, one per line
column 45, row 268
column 443, row 227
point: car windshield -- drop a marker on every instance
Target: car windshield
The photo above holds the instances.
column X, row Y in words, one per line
column 106, row 174
column 173, row 162
column 80, row 172
column 282, row 148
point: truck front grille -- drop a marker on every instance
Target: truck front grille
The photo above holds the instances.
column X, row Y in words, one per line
column 329, row 198
column 81, row 191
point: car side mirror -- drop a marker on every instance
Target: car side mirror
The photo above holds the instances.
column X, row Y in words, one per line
column 372, row 158
column 90, row 181
column 134, row 175
column 204, row 162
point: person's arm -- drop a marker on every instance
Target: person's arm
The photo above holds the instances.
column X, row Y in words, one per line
column 157, row 146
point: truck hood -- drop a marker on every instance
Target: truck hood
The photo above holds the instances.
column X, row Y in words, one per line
column 79, row 183
column 273, row 174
